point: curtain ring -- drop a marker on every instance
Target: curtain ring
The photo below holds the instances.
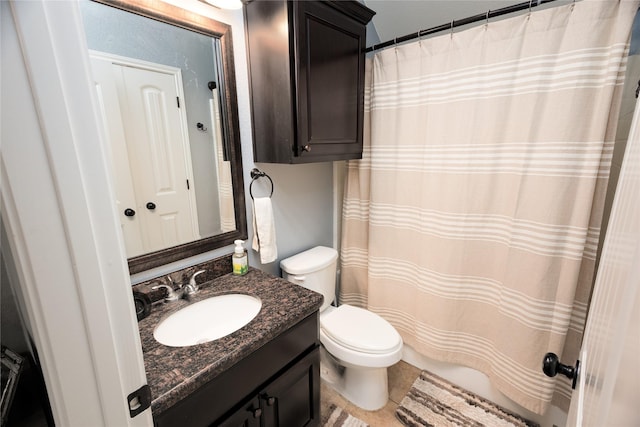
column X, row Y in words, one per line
column 452, row 21
column 486, row 19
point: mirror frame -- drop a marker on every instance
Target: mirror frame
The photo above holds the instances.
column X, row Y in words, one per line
column 173, row 15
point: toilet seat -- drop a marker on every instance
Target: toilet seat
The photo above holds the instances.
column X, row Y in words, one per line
column 360, row 337
column 360, row 330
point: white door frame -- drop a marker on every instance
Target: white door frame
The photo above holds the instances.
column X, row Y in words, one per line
column 61, row 223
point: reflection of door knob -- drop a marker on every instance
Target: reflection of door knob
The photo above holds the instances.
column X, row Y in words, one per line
column 129, row 212
column 552, row 366
column 151, row 206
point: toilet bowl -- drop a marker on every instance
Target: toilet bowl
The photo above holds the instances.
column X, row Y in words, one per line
column 358, row 345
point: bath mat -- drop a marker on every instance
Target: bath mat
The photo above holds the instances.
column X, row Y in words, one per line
column 434, row 402
column 338, row 417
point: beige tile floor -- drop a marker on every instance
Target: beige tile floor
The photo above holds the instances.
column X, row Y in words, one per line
column 401, row 376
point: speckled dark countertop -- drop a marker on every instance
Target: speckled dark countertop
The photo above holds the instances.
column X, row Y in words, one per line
column 175, row 372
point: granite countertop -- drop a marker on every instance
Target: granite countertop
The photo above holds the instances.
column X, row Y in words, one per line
column 175, row 372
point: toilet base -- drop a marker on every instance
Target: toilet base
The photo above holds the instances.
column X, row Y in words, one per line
column 366, row 388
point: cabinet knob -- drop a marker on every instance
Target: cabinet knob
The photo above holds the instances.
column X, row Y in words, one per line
column 306, row 148
column 151, row 206
column 129, row 212
column 257, row 412
column 271, row 400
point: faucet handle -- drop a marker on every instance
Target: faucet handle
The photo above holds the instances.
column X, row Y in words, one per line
column 171, row 282
column 192, row 281
column 171, row 294
column 192, row 287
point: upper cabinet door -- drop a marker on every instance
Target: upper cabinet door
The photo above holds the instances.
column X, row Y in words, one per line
column 330, row 76
column 307, row 82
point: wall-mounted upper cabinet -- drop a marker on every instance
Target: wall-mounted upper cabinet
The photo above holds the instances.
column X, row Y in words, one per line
column 306, row 64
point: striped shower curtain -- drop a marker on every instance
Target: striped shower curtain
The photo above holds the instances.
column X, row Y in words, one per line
column 472, row 221
column 223, row 169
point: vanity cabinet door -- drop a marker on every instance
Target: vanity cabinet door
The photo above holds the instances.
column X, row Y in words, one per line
column 293, row 399
column 249, row 415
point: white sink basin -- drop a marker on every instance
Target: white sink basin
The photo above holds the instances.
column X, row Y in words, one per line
column 207, row 320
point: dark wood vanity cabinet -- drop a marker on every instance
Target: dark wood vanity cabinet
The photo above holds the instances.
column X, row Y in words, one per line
column 306, row 66
column 249, row 415
column 276, row 385
column 289, row 400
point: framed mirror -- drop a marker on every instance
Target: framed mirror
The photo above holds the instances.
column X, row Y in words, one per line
column 166, row 86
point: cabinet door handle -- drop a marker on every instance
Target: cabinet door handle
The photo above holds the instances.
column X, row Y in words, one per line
column 306, row 148
column 271, row 400
column 257, row 412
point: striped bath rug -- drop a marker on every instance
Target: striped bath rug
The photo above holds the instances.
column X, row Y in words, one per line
column 434, row 402
column 338, row 417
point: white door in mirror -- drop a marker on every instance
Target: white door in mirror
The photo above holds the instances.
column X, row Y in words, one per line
column 207, row 320
column 150, row 152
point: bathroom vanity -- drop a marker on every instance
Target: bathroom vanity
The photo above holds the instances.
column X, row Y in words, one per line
column 264, row 374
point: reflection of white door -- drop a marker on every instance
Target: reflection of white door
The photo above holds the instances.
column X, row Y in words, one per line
column 608, row 388
column 150, row 154
column 119, row 159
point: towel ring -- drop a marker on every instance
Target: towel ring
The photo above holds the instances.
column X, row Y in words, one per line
column 255, row 175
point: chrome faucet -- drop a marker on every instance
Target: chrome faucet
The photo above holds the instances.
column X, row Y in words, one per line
column 186, row 291
column 191, row 288
column 172, row 295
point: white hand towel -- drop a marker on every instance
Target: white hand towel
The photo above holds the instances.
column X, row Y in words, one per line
column 264, row 230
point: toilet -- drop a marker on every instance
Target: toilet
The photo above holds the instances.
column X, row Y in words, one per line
column 357, row 345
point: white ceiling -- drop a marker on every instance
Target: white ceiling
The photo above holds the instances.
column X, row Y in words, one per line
column 396, row 18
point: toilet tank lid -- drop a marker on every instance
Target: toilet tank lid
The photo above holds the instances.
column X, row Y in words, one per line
column 309, row 261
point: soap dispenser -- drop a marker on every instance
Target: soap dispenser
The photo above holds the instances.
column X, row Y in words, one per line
column 239, row 259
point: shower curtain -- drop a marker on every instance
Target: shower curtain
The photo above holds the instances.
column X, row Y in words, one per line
column 223, row 169
column 472, row 221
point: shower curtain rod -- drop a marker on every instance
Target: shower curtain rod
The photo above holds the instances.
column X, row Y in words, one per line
column 464, row 21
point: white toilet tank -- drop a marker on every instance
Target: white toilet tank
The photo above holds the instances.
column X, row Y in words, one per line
column 314, row 269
